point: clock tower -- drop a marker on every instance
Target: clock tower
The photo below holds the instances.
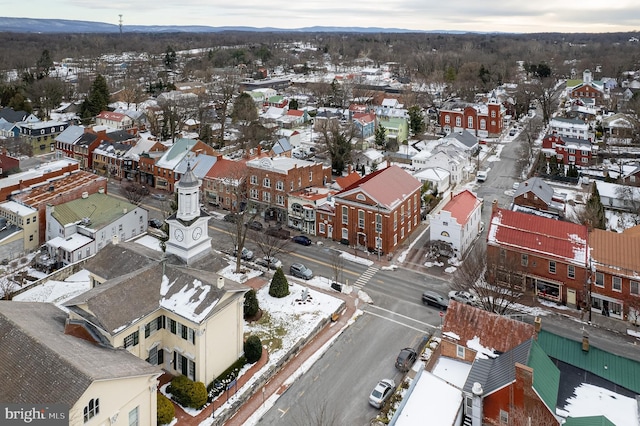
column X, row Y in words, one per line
column 188, row 227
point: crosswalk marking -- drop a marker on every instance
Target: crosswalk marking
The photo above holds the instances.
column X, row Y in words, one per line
column 366, row 276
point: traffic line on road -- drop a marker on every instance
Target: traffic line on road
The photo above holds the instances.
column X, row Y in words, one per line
column 364, row 278
column 400, row 315
column 421, row 330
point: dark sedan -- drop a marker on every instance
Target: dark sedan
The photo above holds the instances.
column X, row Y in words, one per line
column 302, row 239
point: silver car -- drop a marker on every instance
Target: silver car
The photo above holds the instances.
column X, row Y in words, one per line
column 301, row 271
column 382, row 392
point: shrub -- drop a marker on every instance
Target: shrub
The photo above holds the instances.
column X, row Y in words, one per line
column 165, row 412
column 219, row 384
column 253, row 349
column 188, row 393
column 197, row 395
column 251, row 306
column 279, row 286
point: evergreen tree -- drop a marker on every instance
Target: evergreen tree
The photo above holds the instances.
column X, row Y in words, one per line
column 96, row 101
column 170, row 58
column 293, row 104
column 279, row 286
column 244, row 109
column 380, row 136
column 251, row 306
column 594, row 210
column 416, row 120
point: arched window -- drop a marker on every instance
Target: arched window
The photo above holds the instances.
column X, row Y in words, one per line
column 92, row 409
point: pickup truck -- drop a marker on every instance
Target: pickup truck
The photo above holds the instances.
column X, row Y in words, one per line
column 481, row 176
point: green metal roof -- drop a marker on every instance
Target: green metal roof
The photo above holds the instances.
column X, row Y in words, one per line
column 589, row 421
column 101, row 209
column 546, row 376
column 612, row 367
column 180, row 147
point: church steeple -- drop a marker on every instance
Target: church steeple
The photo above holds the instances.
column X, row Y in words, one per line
column 188, row 189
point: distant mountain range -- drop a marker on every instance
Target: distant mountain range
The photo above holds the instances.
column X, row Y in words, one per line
column 28, row 25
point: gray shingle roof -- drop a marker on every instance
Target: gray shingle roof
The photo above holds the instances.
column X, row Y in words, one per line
column 537, row 186
column 499, row 371
column 40, row 364
column 190, row 292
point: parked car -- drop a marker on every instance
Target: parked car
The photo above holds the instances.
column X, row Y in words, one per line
column 382, row 392
column 160, row 197
column 246, row 254
column 405, row 359
column 156, row 223
column 302, row 239
column 278, row 232
column 464, row 297
column 434, row 299
column 301, row 271
column 271, row 263
column 481, row 176
column 512, row 132
column 231, row 218
column 255, row 225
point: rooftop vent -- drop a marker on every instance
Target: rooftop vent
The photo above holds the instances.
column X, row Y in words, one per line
column 85, row 195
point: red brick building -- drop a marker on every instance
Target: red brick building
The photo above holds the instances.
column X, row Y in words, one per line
column 379, row 211
column 23, row 181
column 164, row 172
column 568, row 150
column 271, row 180
column 541, row 256
column 8, row 163
column 615, row 265
column 225, row 184
column 480, row 120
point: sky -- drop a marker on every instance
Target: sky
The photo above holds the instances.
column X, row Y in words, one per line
column 519, row 16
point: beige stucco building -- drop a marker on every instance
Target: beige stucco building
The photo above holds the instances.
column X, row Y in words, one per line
column 43, row 362
column 25, row 218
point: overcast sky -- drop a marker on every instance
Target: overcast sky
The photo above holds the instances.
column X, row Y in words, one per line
column 463, row 15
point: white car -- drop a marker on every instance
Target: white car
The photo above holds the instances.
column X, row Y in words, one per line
column 382, row 392
column 464, row 297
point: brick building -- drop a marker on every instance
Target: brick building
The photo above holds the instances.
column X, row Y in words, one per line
column 224, row 185
column 271, row 180
column 568, row 150
column 538, row 255
column 484, row 120
column 23, row 181
column 379, row 211
column 164, row 169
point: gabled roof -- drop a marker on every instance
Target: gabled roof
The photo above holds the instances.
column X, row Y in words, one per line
column 465, row 138
column 493, row 331
column 616, row 253
column 200, row 164
column 604, row 364
column 120, row 136
column 176, row 153
column 494, row 374
column 564, row 241
column 388, row 186
column 71, row 134
column 228, row 169
column 41, row 364
column 111, row 116
column 342, row 182
column 13, row 116
column 462, row 205
column 281, row 146
column 536, row 186
column 189, row 292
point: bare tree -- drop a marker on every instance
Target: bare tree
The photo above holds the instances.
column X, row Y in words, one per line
column 271, row 245
column 224, row 90
column 177, row 108
column 318, row 414
column 630, row 196
column 135, row 192
column 497, row 281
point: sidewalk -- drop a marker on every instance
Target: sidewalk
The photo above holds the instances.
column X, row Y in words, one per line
column 276, row 385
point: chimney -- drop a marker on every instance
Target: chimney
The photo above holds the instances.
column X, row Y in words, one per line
column 349, row 169
column 114, row 240
column 85, row 195
column 259, row 150
column 537, row 325
column 476, row 405
column 585, row 340
column 220, row 283
column 494, row 206
column 101, row 190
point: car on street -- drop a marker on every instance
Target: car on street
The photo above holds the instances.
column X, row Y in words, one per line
column 278, row 232
column 481, row 176
column 434, row 299
column 405, row 359
column 464, row 297
column 302, row 239
column 300, row 271
column 246, row 254
column 512, row 132
column 381, row 393
column 231, row 218
column 155, row 223
column 254, row 225
column 271, row 263
column 160, row 197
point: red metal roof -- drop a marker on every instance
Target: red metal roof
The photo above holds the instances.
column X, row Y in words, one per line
column 462, row 205
column 537, row 234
